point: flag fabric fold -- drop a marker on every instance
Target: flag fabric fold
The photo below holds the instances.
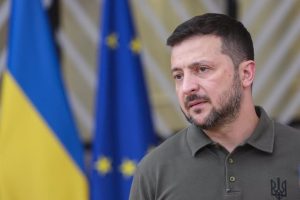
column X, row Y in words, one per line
column 41, row 156
column 123, row 127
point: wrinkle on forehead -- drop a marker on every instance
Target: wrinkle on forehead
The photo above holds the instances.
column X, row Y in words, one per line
column 196, row 49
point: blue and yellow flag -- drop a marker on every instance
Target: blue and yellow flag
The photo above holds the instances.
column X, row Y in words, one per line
column 41, row 157
column 124, row 130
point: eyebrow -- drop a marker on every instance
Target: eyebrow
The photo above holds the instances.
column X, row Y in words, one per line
column 197, row 63
column 175, row 69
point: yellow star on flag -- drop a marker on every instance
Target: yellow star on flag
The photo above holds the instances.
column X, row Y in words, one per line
column 112, row 40
column 128, row 168
column 135, row 45
column 103, row 165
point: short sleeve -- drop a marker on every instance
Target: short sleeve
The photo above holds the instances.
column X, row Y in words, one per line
column 142, row 187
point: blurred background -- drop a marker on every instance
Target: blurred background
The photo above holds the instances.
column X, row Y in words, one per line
column 274, row 25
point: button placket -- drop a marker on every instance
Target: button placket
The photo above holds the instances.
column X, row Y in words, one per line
column 230, row 174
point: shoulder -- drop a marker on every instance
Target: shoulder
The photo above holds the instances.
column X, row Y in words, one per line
column 286, row 130
column 287, row 135
column 172, row 147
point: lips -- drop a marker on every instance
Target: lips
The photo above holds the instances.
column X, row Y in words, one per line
column 195, row 103
column 195, row 100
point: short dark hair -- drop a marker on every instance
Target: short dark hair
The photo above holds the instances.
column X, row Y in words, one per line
column 236, row 40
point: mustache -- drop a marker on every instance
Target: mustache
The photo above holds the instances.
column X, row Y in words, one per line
column 194, row 97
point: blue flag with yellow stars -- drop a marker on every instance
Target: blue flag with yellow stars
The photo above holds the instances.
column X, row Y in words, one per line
column 124, row 130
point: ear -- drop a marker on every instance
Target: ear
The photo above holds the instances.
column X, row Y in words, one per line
column 247, row 72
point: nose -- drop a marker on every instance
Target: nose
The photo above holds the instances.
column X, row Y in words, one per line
column 190, row 85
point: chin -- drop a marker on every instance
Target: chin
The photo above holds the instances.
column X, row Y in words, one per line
column 199, row 115
column 197, row 120
column 199, row 123
column 196, row 117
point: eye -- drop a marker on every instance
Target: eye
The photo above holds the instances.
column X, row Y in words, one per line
column 177, row 76
column 203, row 68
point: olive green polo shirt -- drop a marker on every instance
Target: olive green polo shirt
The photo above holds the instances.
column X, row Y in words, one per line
column 189, row 166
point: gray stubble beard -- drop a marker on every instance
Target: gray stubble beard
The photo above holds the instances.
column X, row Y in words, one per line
column 230, row 103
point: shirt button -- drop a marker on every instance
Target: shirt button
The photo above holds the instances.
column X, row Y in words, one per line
column 230, row 160
column 231, row 178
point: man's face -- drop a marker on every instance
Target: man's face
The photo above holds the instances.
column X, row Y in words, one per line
column 207, row 85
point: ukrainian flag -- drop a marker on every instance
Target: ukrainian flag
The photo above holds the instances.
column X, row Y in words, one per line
column 41, row 157
column 124, row 130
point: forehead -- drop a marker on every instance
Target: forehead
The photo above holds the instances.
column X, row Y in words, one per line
column 207, row 47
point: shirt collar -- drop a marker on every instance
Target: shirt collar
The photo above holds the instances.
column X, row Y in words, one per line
column 264, row 133
column 262, row 137
column 197, row 139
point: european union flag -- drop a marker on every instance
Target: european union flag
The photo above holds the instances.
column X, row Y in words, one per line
column 124, row 130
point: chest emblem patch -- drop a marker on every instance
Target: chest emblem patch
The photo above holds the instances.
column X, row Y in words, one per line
column 278, row 188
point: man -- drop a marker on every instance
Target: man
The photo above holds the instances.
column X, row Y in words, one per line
column 232, row 149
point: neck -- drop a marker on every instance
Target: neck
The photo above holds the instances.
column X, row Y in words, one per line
column 235, row 133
